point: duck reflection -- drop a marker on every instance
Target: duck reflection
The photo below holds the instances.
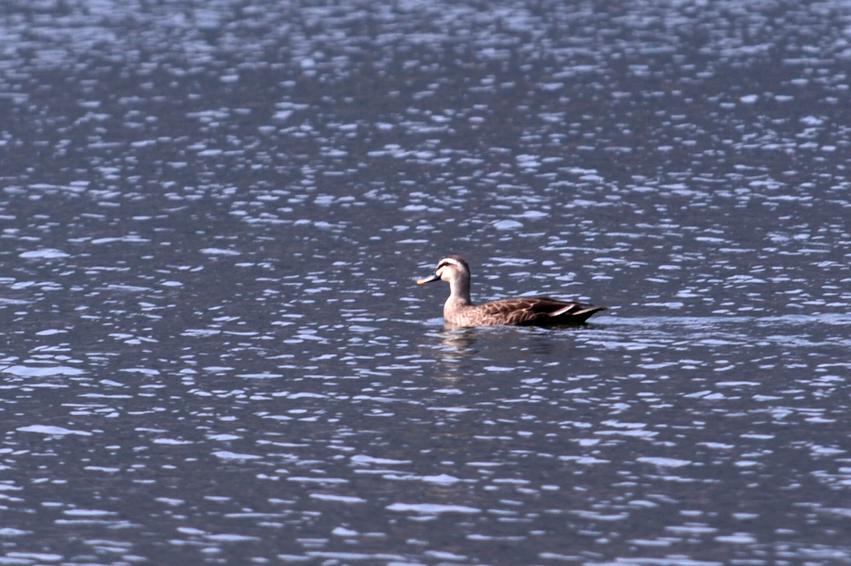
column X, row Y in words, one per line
column 463, row 352
column 457, row 348
column 458, row 341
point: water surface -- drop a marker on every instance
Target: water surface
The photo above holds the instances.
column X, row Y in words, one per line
column 213, row 214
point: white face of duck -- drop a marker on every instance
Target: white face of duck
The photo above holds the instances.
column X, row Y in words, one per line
column 448, row 269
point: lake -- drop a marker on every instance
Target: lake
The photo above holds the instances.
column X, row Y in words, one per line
column 213, row 215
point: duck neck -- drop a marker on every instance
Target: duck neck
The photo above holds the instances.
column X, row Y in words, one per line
column 459, row 291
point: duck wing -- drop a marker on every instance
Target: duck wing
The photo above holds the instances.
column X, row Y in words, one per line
column 536, row 311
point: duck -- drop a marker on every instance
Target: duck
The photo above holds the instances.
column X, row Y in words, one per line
column 459, row 310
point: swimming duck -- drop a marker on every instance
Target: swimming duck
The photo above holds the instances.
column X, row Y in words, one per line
column 459, row 310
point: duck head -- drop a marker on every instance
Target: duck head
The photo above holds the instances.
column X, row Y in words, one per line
column 450, row 268
column 454, row 270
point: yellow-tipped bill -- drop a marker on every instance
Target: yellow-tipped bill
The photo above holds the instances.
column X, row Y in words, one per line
column 428, row 279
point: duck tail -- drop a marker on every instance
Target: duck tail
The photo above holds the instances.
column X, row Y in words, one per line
column 576, row 312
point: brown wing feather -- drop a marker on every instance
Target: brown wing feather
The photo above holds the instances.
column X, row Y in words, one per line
column 536, row 310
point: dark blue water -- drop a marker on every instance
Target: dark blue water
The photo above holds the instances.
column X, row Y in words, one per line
column 213, row 350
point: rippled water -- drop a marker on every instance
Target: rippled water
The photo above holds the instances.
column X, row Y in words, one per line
column 213, row 213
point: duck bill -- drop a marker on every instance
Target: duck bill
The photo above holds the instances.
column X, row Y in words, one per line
column 425, row 280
